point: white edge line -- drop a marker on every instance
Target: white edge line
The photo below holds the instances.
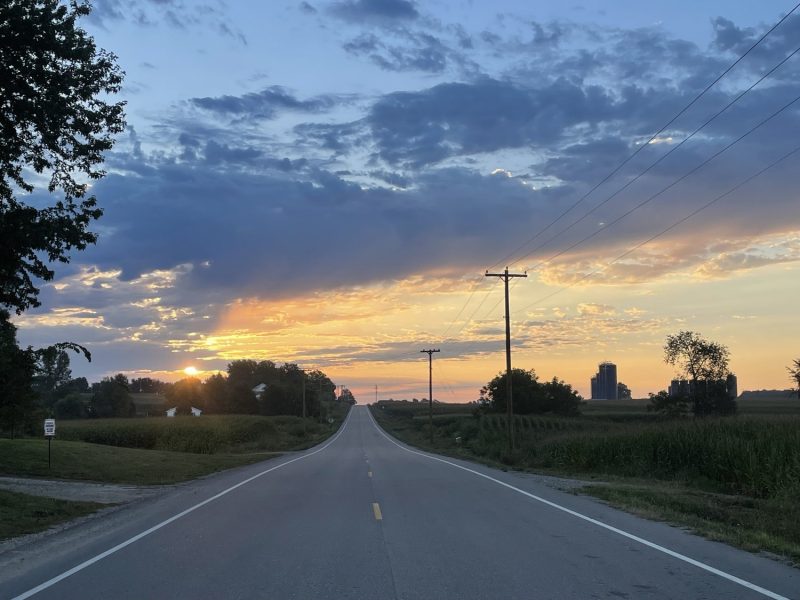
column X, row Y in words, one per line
column 630, row 536
column 136, row 538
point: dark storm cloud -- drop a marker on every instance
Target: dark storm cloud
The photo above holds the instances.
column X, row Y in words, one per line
column 374, row 11
column 265, row 104
column 420, row 128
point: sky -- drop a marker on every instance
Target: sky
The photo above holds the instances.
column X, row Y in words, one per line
column 326, row 183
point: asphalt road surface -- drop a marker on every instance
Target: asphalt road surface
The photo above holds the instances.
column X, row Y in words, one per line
column 363, row 516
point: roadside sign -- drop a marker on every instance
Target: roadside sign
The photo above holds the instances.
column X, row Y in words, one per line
column 330, row 420
column 49, row 427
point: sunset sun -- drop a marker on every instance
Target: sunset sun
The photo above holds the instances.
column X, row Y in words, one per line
column 191, row 371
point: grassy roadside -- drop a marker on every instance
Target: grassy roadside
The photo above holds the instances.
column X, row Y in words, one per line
column 21, row 514
column 109, row 464
column 734, row 481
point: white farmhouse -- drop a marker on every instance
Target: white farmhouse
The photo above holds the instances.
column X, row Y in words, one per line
column 259, row 390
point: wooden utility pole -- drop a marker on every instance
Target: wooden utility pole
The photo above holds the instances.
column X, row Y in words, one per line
column 505, row 276
column 430, row 388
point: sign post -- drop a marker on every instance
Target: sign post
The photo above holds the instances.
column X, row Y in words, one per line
column 49, row 433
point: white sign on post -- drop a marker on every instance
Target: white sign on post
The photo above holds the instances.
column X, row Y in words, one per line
column 49, row 427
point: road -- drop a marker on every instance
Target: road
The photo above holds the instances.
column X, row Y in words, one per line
column 363, row 516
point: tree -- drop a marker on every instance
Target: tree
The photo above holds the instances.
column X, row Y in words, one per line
column 52, row 372
column 70, row 406
column 17, row 367
column 216, row 394
column 794, row 371
column 561, row 398
column 623, row 391
column 185, row 394
column 54, row 121
column 530, row 396
column 671, row 406
column 146, row 385
column 79, row 385
column 697, row 358
column 705, row 364
column 111, row 398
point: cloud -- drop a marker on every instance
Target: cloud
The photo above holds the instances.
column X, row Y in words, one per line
column 265, row 104
column 307, row 8
column 426, row 127
column 408, row 50
column 374, row 11
column 173, row 13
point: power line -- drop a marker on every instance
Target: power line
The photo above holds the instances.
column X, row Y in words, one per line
column 673, row 184
column 627, row 160
column 660, row 159
column 670, row 228
column 653, row 137
column 475, row 286
column 474, row 312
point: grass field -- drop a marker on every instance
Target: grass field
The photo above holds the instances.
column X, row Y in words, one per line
column 21, row 513
column 733, row 479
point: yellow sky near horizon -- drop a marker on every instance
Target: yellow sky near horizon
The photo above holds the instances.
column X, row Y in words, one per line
column 373, row 334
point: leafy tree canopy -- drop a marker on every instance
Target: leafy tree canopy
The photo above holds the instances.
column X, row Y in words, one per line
column 54, row 121
column 794, row 372
column 530, row 395
column 697, row 358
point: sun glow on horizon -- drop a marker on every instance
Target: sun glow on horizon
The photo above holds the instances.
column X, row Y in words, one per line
column 191, row 371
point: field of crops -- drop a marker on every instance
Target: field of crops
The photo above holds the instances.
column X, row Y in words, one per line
column 202, row 435
column 757, row 454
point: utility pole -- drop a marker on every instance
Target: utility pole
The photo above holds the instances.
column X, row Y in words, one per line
column 430, row 388
column 303, row 373
column 505, row 276
column 376, row 393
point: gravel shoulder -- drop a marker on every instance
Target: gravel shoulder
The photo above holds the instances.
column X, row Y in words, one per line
column 104, row 493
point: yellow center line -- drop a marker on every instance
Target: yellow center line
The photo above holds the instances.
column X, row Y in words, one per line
column 377, row 510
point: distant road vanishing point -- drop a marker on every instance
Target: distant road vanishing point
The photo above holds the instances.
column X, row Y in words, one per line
column 364, row 516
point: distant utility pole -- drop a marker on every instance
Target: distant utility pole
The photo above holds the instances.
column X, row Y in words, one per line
column 303, row 373
column 505, row 276
column 430, row 388
column 376, row 393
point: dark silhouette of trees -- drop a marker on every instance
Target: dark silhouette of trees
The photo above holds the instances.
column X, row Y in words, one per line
column 530, row 396
column 52, row 373
column 17, row 367
column 111, row 398
column 55, row 123
column 671, row 406
column 794, row 371
column 185, row 394
column 705, row 364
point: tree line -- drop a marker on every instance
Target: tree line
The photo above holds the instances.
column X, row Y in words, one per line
column 39, row 384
